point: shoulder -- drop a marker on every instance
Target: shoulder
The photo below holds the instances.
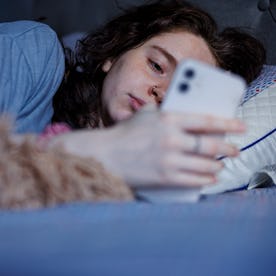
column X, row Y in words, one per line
column 35, row 43
column 17, row 29
column 30, row 37
column 32, row 70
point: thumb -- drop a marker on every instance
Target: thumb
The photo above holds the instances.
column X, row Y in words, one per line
column 150, row 107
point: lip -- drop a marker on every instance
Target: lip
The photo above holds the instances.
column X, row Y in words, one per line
column 136, row 103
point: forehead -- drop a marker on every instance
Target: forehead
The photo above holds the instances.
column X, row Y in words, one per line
column 182, row 44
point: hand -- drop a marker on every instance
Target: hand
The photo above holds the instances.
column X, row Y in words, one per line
column 156, row 148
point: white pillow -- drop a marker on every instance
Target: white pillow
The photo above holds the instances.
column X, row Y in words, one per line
column 258, row 146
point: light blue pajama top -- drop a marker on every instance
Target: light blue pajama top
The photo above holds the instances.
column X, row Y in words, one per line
column 31, row 70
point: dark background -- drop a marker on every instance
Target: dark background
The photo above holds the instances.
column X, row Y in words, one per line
column 70, row 16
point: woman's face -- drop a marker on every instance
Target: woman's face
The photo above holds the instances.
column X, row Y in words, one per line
column 142, row 75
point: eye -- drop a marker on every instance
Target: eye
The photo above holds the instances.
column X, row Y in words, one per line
column 156, row 67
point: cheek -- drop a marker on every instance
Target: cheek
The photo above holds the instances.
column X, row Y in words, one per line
column 113, row 99
column 108, row 90
column 122, row 115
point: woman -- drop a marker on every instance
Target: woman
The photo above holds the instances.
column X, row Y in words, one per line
column 117, row 79
column 80, row 99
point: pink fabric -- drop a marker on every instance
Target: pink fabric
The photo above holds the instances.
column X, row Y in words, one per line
column 52, row 131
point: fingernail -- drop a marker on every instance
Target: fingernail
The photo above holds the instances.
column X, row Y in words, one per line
column 212, row 180
column 236, row 151
column 233, row 150
column 240, row 125
column 218, row 166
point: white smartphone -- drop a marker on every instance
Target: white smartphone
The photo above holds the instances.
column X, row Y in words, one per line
column 197, row 87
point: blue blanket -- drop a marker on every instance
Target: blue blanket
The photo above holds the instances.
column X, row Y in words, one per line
column 228, row 234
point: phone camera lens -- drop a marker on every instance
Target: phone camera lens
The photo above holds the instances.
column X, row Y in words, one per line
column 189, row 73
column 183, row 87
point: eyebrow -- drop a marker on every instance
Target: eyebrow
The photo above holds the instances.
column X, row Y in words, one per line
column 168, row 56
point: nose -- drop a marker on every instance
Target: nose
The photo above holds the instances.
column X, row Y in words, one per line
column 156, row 93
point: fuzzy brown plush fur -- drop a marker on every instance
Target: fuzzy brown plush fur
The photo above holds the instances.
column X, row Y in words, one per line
column 31, row 178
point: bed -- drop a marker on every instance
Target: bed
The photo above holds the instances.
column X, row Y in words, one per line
column 231, row 233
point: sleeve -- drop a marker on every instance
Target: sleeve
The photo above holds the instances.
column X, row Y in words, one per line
column 32, row 64
column 51, row 131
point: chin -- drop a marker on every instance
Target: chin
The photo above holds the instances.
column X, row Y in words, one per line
column 122, row 116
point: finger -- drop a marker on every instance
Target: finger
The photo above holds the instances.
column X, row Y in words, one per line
column 210, row 124
column 204, row 123
column 190, row 170
column 211, row 146
column 149, row 107
column 205, row 145
column 189, row 179
column 193, row 163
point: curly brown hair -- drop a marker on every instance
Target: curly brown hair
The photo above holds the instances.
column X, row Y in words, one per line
column 78, row 99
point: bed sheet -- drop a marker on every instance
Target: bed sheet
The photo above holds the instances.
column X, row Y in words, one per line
column 229, row 234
